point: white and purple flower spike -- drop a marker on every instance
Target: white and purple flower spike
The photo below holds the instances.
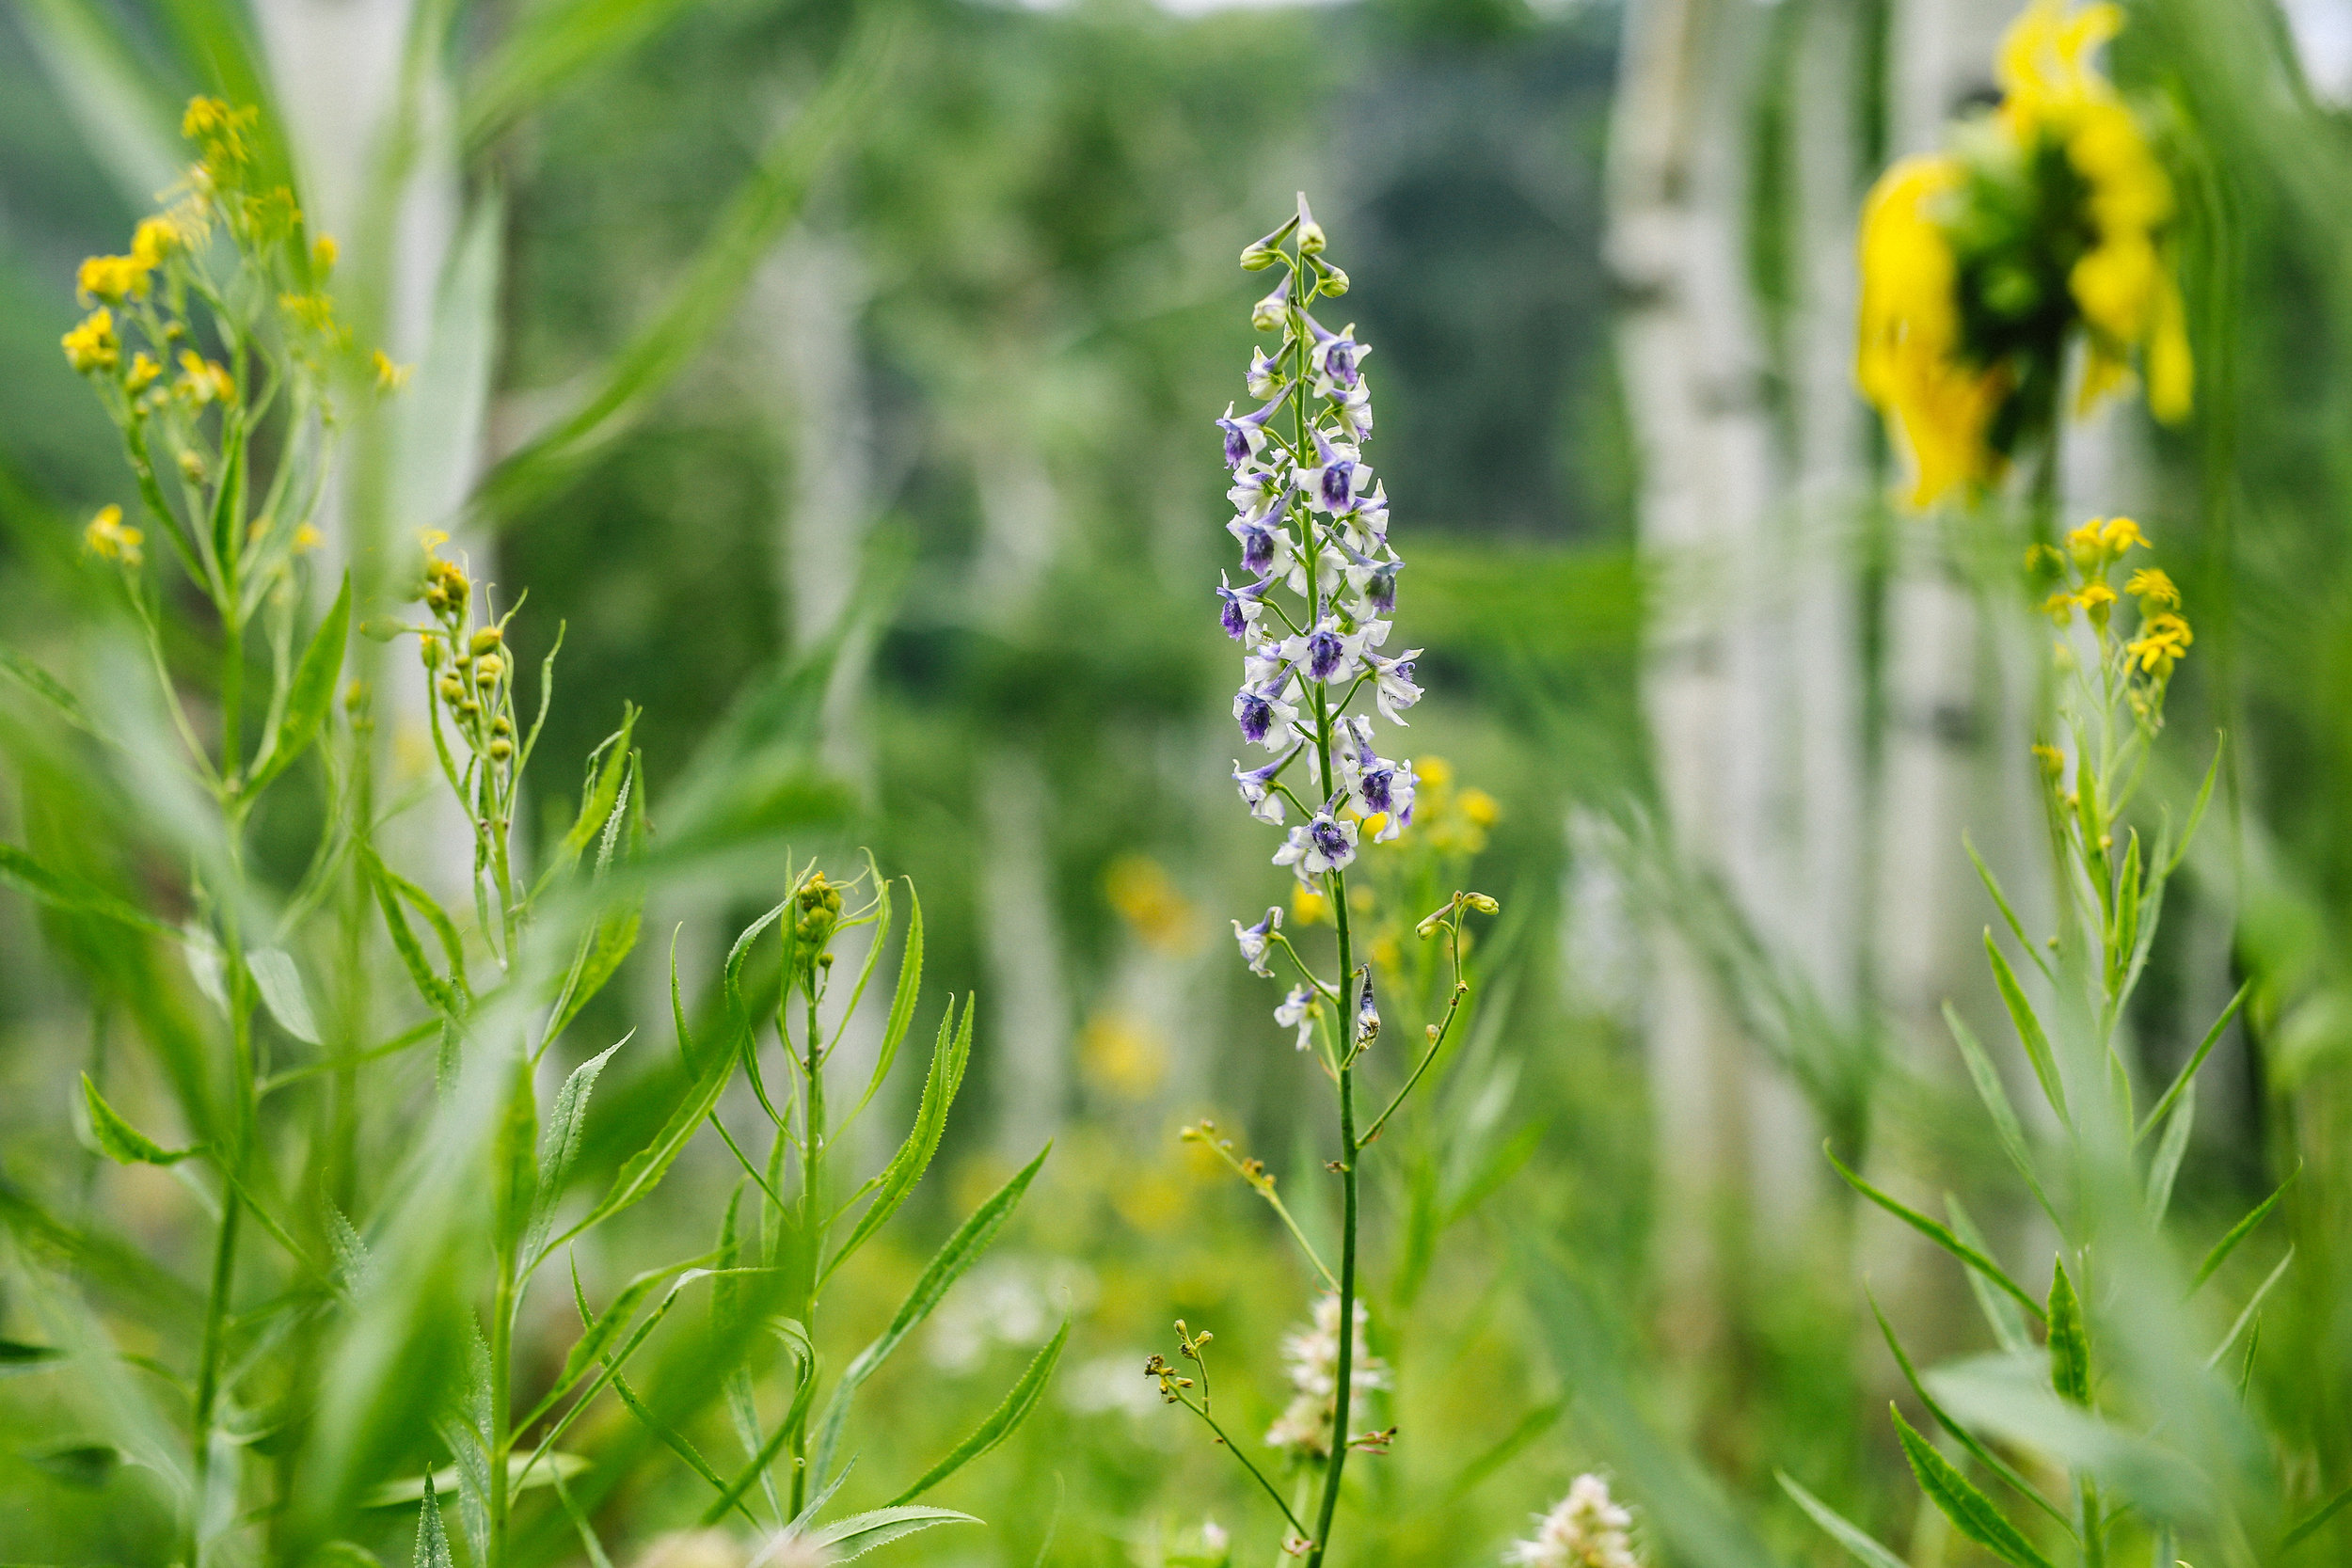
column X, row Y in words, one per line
column 1337, row 478
column 1256, row 940
column 1327, row 653
column 1326, row 843
column 1354, row 407
column 1257, row 788
column 1244, row 437
column 1387, row 787
column 1393, row 688
column 1373, row 582
column 1370, row 519
column 1263, row 541
column 1297, row 1011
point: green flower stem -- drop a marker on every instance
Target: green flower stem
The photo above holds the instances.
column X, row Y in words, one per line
column 502, row 1405
column 812, row 1218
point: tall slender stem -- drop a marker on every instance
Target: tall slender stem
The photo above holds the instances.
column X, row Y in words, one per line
column 501, row 1406
column 812, row 1220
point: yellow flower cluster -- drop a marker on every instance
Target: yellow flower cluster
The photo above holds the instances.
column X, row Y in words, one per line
column 109, row 539
column 2091, row 550
column 1967, row 308
column 92, row 345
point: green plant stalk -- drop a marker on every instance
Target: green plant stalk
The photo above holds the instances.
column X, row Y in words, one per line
column 1335, row 884
column 812, row 1219
column 502, row 1405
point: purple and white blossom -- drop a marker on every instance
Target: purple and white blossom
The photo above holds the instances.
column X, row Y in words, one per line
column 1367, row 1014
column 1256, row 940
column 1353, row 408
column 1266, row 375
column 1333, row 357
column 1257, row 788
column 1337, row 477
column 1245, row 436
column 1263, row 540
column 1368, row 526
column 1392, row 684
column 1327, row 653
column 1372, row 581
column 1241, row 606
column 1324, row 843
column 1297, row 1011
column 1265, row 718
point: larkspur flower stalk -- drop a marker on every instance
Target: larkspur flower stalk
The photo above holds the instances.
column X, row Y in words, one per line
column 1312, row 611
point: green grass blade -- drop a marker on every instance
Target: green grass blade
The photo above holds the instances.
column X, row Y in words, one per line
column 1001, row 1421
column 2303, row 1528
column 901, row 1003
column 2025, row 945
column 2167, row 1164
column 549, row 46
column 1957, row 1499
column 1939, row 1234
column 65, row 891
column 1996, row 1104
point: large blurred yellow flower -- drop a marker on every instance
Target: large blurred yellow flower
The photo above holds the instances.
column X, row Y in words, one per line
column 1907, row 360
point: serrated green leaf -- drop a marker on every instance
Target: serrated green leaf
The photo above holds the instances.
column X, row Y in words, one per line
column 860, row 1533
column 605, row 1333
column 1939, row 1234
column 1001, row 1421
column 2029, row 1031
column 1966, row 1439
column 281, row 985
column 2070, row 1341
column 2245, row 1228
column 957, row 1253
column 646, row 1168
column 440, row 994
column 899, row 1178
column 1957, row 1499
column 602, row 950
column 596, row 802
column 311, row 695
column 118, row 1140
column 1849, row 1536
column 560, row 1146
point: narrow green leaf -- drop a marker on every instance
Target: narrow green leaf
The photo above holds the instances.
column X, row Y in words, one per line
column 2029, row 1032
column 548, row 46
column 18, row 1356
column 901, row 1001
column 392, row 1494
column 2197, row 1059
column 2253, row 1306
column 603, row 1334
column 1996, row 1104
column 2167, row 1164
column 440, row 994
column 432, row 1535
column 2238, row 1233
column 21, row 871
column 2205, row 799
column 1864, row 1550
column 1957, row 1499
column 601, row 953
column 1001, row 1421
column 957, row 1253
column 118, row 1140
column 597, row 801
column 560, row 1146
column 1939, row 1234
column 1966, row 1439
column 2000, row 1313
column 311, row 695
column 2304, row 1527
column 2070, row 1341
column 2025, row 945
column 41, row 684
column 899, row 1178
column 860, row 1533
column 515, row 1172
column 86, row 1465
column 281, row 985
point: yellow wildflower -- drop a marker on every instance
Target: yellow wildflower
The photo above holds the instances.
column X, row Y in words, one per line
column 91, row 344
column 2083, row 543
column 220, row 128
column 306, row 539
column 2151, row 586
column 2096, row 599
column 2053, row 761
column 2059, row 607
column 143, row 373
column 2043, row 66
column 1908, row 361
column 2163, row 639
column 202, row 380
column 154, row 239
column 324, row 252
column 2120, row 534
column 107, row 537
column 113, row 278
column 389, row 376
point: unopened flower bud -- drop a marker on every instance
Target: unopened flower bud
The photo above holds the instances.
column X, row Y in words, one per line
column 1334, row 280
column 500, row 748
column 487, row 639
column 435, row 600
column 501, row 725
column 1270, row 313
column 452, row 689
column 1310, row 231
column 191, row 466
column 487, row 668
column 429, row 648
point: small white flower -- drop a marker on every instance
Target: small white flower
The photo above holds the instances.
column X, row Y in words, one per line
column 1586, row 1530
column 1311, row 1357
column 1297, row 1011
column 1256, row 940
